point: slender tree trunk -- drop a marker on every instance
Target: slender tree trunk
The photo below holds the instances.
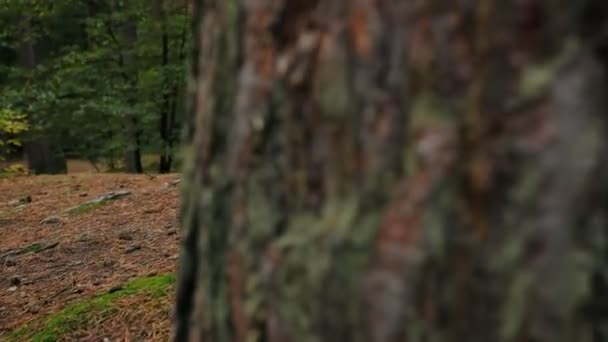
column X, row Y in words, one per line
column 127, row 60
column 41, row 156
column 132, row 157
column 133, row 130
column 171, row 92
column 166, row 157
column 394, row 171
column 133, row 154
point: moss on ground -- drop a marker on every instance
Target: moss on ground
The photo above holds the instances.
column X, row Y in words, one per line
column 77, row 315
column 85, row 208
column 33, row 248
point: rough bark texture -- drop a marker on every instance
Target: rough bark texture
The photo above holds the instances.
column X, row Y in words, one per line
column 394, row 171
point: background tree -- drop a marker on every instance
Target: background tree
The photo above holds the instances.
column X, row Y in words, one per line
column 109, row 77
column 395, row 171
column 41, row 155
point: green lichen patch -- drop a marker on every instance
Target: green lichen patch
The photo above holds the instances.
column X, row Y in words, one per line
column 78, row 315
column 85, row 208
column 97, row 202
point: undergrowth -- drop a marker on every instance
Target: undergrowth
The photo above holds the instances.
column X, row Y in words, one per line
column 85, row 208
column 94, row 309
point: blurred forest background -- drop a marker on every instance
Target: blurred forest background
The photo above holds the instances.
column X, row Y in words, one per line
column 97, row 81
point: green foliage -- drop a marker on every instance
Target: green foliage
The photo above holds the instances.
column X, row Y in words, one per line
column 14, row 170
column 85, row 208
column 92, row 80
column 76, row 316
column 12, row 125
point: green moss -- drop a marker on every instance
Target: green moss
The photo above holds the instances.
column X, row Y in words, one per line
column 85, row 208
column 428, row 110
column 33, row 248
column 323, row 256
column 331, row 89
column 77, row 315
column 157, row 286
column 7, row 174
column 536, row 78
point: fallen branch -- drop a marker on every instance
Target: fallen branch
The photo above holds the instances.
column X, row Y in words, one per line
column 110, row 196
column 33, row 248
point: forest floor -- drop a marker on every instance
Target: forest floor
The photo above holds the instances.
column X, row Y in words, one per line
column 77, row 267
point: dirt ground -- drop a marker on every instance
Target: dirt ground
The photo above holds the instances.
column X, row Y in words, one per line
column 47, row 264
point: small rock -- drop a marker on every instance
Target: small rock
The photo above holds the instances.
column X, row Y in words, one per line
column 20, row 207
column 124, row 235
column 84, row 237
column 34, row 309
column 172, row 184
column 15, row 281
column 115, row 287
column 132, row 248
column 152, row 274
column 172, row 231
column 9, row 262
column 107, row 262
column 21, row 201
column 51, row 220
column 12, row 289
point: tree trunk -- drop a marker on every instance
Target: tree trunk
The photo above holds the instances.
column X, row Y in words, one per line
column 166, row 157
column 394, row 171
column 166, row 119
column 133, row 131
column 41, row 156
column 43, row 159
column 171, row 91
column 133, row 154
column 132, row 157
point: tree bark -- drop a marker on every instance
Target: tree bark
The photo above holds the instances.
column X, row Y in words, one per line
column 393, row 171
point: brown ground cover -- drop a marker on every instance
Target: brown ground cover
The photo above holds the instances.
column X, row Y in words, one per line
column 52, row 257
